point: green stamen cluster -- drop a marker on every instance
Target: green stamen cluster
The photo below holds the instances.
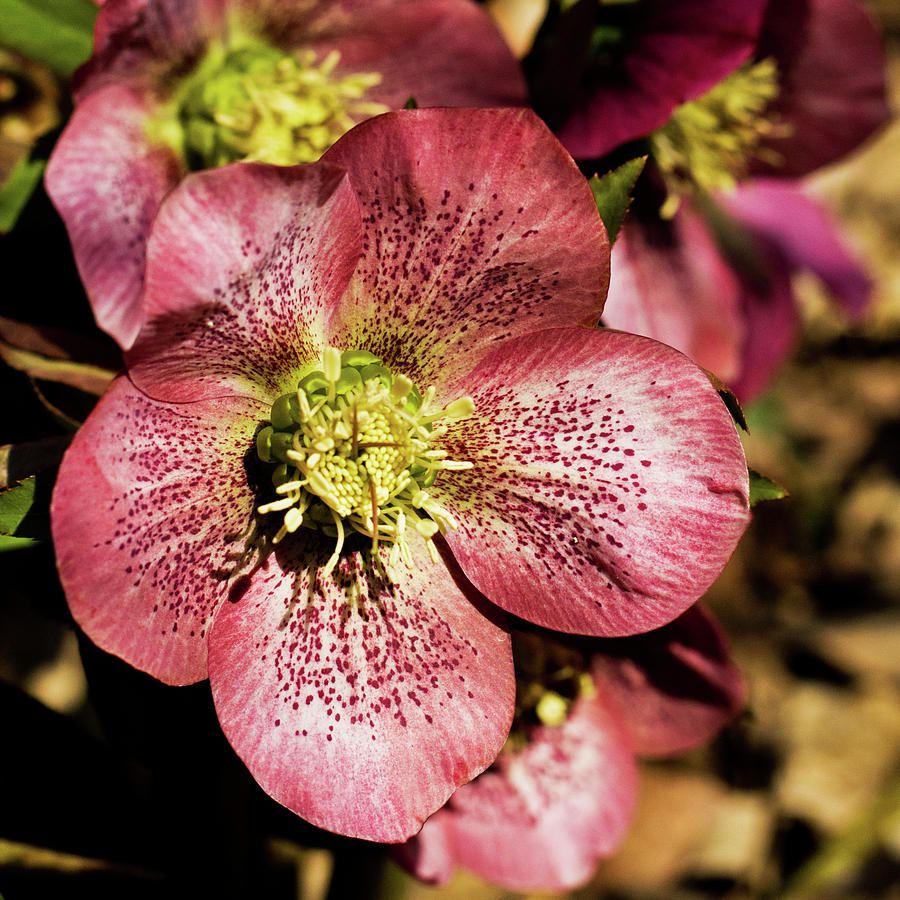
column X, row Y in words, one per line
column 353, row 447
column 256, row 102
column 709, row 142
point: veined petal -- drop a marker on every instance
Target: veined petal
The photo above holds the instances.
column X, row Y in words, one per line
column 150, row 504
column 107, row 180
column 244, row 266
column 680, row 51
column 541, row 819
column 674, row 687
column 361, row 700
column 479, row 227
column 608, row 486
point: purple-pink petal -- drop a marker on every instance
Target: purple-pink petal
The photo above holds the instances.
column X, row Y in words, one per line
column 608, row 486
column 361, row 701
column 479, row 227
column 832, row 80
column 107, row 181
column 245, row 265
column 149, row 505
column 544, row 815
column 673, row 688
column 800, row 229
column 683, row 48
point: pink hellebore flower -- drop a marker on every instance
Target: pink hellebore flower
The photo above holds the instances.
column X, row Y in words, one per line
column 267, row 498
column 181, row 85
column 543, row 815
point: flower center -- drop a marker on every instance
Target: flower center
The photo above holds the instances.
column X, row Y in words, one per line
column 256, row 102
column 353, row 447
column 709, row 142
column 550, row 677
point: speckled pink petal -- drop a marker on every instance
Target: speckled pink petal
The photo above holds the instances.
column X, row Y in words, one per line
column 147, row 514
column 673, row 688
column 244, row 266
column 609, row 486
column 802, row 231
column 478, row 227
column 542, row 817
column 682, row 49
column 668, row 281
column 832, row 66
column 441, row 52
column 107, row 181
column 359, row 701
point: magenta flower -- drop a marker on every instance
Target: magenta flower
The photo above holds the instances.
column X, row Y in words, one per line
column 365, row 392
column 181, row 85
column 562, row 795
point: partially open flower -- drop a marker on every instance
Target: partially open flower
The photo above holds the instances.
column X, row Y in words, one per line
column 367, row 394
column 563, row 790
column 177, row 86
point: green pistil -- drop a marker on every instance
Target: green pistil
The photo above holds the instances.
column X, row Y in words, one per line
column 255, row 102
column 709, row 142
column 354, row 448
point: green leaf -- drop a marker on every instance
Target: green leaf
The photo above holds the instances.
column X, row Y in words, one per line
column 762, row 488
column 25, row 510
column 613, row 191
column 56, row 33
column 18, row 188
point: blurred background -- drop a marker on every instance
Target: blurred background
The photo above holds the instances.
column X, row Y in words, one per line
column 798, row 798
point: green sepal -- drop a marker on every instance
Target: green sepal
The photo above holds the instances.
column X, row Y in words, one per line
column 763, row 488
column 613, row 194
column 17, row 189
column 411, row 103
column 55, row 33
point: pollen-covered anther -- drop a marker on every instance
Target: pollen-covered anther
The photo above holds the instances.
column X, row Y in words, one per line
column 709, row 142
column 354, row 448
column 248, row 100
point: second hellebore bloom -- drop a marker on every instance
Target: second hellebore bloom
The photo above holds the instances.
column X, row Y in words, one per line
column 367, row 397
column 175, row 86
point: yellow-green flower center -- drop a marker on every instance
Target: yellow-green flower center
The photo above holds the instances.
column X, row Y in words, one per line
column 354, row 447
column 247, row 100
column 709, row 142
